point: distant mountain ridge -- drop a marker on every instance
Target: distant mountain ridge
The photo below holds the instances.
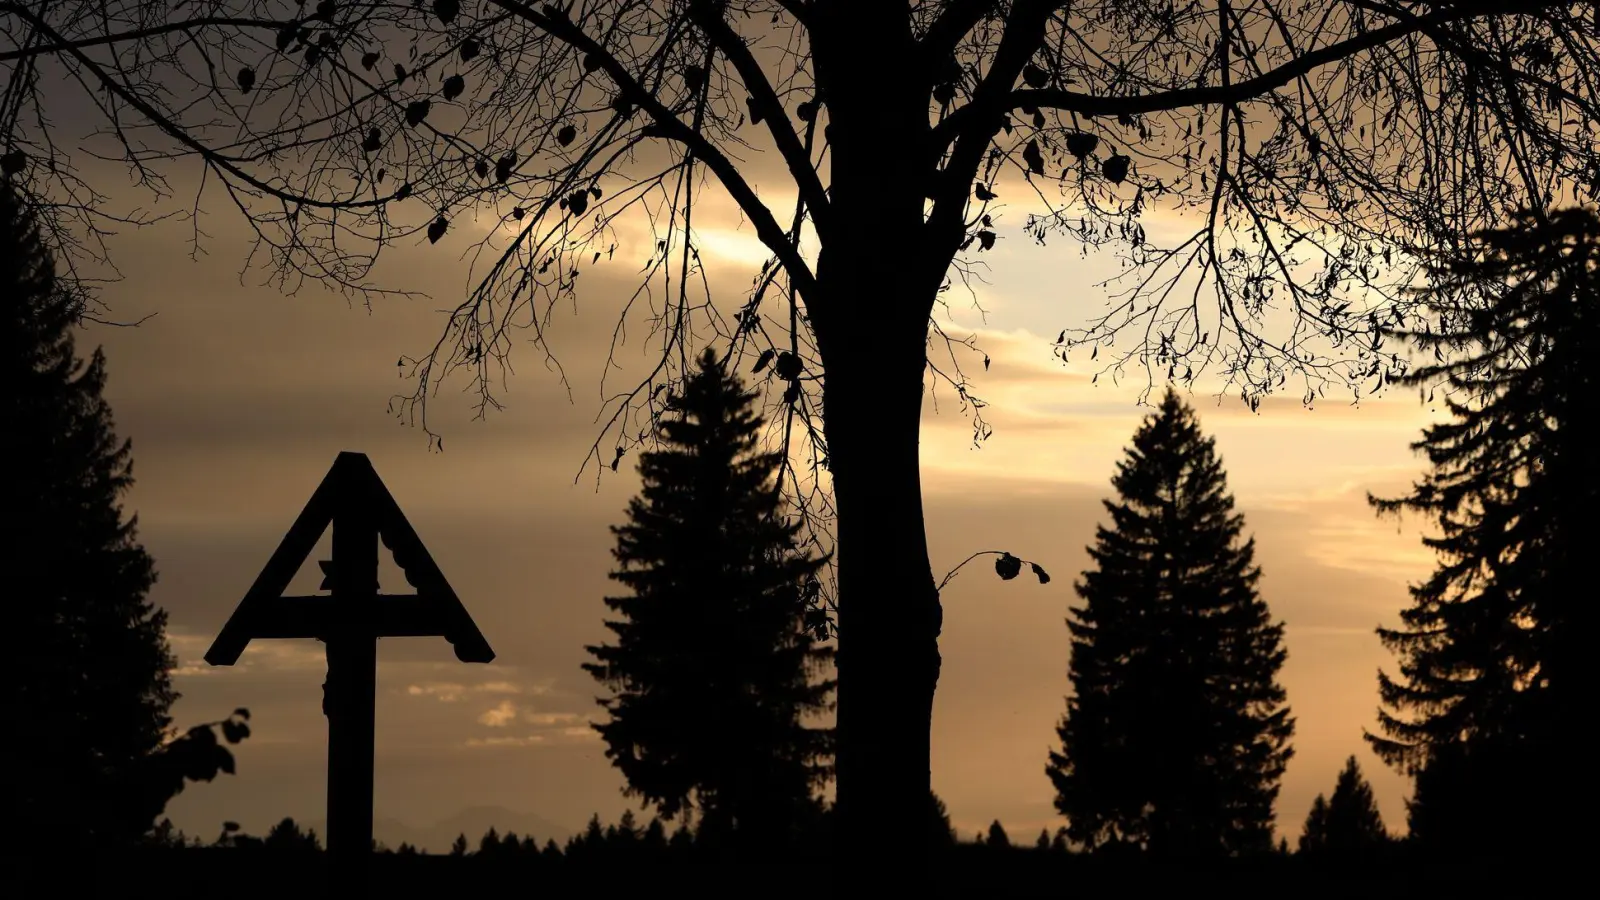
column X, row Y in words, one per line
column 472, row 822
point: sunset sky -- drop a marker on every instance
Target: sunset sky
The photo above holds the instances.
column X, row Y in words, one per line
column 238, row 398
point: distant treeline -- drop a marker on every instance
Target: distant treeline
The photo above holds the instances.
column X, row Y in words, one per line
column 623, row 857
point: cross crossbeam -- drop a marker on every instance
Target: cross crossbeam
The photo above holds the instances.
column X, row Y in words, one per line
column 381, row 615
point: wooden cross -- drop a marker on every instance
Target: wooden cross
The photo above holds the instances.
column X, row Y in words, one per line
column 349, row 622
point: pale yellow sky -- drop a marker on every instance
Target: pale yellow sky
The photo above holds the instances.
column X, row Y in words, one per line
column 238, row 398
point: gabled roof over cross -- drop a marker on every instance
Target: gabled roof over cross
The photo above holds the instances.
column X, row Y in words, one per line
column 351, row 488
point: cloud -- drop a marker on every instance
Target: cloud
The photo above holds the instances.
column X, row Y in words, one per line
column 499, row 687
column 547, row 719
column 738, row 247
column 453, row 691
column 444, row 693
column 500, row 716
column 571, row 734
column 506, row 741
column 274, row 655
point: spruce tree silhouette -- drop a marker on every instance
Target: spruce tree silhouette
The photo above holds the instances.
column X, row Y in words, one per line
column 655, row 836
column 1314, row 837
column 1177, row 733
column 88, row 665
column 713, row 669
column 1349, row 825
column 1487, row 709
column 997, row 836
column 942, row 833
column 589, row 843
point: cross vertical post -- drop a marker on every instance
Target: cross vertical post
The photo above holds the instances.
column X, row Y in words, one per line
column 352, row 650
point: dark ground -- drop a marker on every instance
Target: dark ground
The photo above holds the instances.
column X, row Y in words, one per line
column 968, row 872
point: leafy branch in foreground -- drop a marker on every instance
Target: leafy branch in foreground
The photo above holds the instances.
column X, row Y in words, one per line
column 1005, row 565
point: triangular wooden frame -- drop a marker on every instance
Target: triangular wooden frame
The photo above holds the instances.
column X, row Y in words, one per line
column 434, row 610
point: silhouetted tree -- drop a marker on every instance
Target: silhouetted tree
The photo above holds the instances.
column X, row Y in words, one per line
column 88, row 663
column 1349, row 824
column 655, row 835
column 627, row 830
column 997, row 835
column 943, row 834
column 713, row 668
column 682, row 838
column 459, row 848
column 1176, row 734
column 588, row 843
column 1058, row 842
column 928, row 113
column 167, row 835
column 1492, row 649
column 288, row 836
column 1314, row 838
column 489, row 844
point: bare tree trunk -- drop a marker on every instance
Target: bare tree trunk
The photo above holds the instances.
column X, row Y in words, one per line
column 889, row 613
column 877, row 278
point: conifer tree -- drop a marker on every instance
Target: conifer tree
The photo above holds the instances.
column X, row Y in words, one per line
column 1347, row 825
column 1487, row 707
column 942, row 833
column 1354, row 823
column 1314, row 839
column 997, row 835
column 627, row 828
column 713, row 670
column 288, row 836
column 88, row 662
column 1177, row 732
